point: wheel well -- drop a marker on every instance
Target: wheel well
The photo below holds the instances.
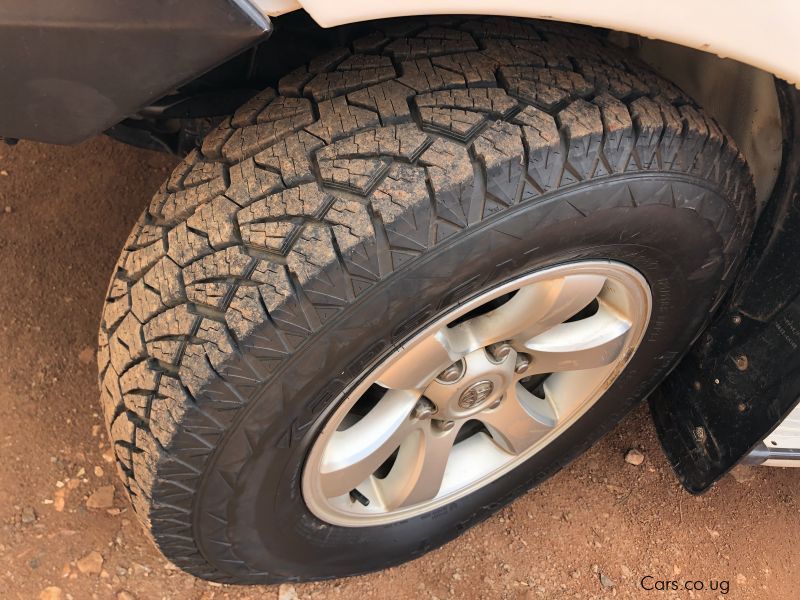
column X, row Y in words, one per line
column 741, row 97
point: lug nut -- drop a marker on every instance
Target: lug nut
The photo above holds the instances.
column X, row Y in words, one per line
column 499, row 351
column 452, row 373
column 495, row 404
column 424, row 409
column 445, row 425
column 523, row 362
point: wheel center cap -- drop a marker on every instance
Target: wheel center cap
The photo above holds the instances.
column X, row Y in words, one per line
column 475, row 394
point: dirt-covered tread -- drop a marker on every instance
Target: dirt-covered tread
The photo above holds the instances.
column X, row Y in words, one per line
column 354, row 165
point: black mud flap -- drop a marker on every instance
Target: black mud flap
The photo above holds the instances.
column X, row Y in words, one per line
column 743, row 374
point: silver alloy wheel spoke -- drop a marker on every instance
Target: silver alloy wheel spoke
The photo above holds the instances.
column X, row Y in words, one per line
column 519, row 420
column 586, row 344
column 565, row 391
column 418, row 470
column 534, row 309
column 421, row 362
column 419, row 446
column 355, row 453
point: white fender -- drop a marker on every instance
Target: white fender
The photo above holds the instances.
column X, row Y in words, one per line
column 761, row 34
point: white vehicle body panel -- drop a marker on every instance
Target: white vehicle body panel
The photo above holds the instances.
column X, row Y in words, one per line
column 787, row 434
column 781, row 448
column 761, row 34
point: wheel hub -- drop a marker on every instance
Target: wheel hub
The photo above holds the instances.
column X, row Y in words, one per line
column 482, row 384
column 476, row 393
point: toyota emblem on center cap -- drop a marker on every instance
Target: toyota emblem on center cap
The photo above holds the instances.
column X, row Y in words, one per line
column 475, row 394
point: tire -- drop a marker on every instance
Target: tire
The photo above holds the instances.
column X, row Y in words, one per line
column 326, row 222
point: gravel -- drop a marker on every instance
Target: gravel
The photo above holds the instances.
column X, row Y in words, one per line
column 90, row 564
column 634, row 457
column 101, row 498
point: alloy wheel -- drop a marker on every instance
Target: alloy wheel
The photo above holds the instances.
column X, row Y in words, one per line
column 476, row 393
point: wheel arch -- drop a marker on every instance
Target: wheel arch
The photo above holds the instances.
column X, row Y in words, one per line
column 715, row 26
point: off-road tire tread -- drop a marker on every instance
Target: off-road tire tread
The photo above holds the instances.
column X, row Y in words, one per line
column 356, row 165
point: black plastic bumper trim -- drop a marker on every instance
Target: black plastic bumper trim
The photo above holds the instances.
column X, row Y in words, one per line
column 69, row 70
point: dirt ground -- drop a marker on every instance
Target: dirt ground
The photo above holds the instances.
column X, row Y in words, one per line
column 600, row 528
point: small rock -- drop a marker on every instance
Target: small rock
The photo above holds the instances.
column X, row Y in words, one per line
column 574, row 574
column 86, row 355
column 286, row 591
column 90, row 564
column 741, row 579
column 8, row 211
column 60, row 500
column 634, row 457
column 51, row 593
column 626, row 572
column 3, row 173
column 606, row 581
column 125, row 595
column 102, row 497
column 28, row 515
column 98, row 471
